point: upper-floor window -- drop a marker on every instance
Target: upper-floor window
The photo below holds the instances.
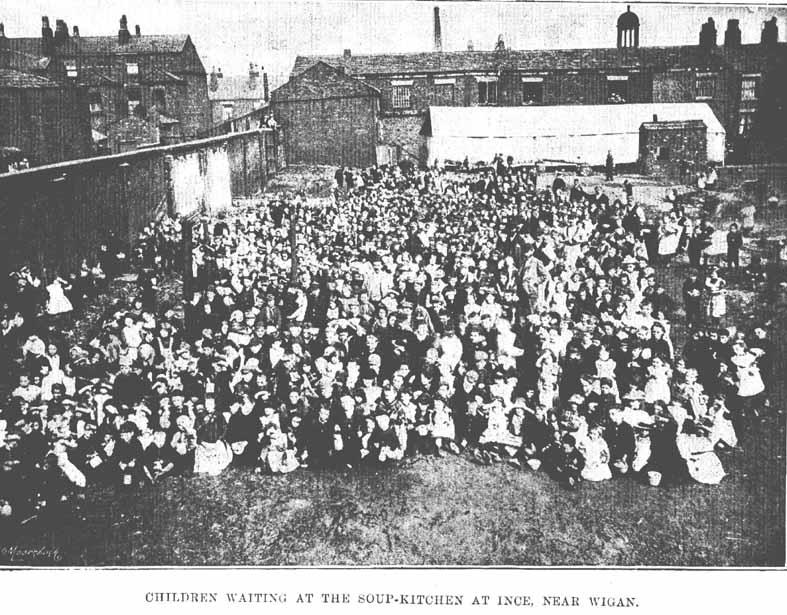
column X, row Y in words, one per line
column 226, row 110
column 750, row 87
column 132, row 68
column 617, row 89
column 487, row 92
column 71, row 69
column 401, row 94
column 532, row 90
column 442, row 92
column 706, row 86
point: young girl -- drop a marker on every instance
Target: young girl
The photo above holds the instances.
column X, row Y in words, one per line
column 715, row 290
column 657, row 388
column 596, row 453
column 549, row 372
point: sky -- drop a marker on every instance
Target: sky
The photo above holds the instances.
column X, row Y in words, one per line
column 231, row 33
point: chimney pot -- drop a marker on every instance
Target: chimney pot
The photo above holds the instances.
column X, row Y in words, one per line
column 655, row 118
column 708, row 34
column 123, row 34
column 347, row 54
column 219, row 74
column 47, row 36
column 732, row 37
column 76, row 32
column 770, row 32
column 470, row 46
column 61, row 31
column 137, row 31
column 2, row 30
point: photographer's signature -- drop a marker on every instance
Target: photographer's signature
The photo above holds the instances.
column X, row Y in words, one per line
column 27, row 554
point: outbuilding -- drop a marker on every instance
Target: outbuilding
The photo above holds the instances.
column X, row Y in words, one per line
column 568, row 133
column 327, row 118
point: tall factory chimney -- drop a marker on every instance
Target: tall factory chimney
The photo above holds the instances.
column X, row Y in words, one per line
column 438, row 36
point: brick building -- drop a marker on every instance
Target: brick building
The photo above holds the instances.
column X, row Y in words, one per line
column 157, row 78
column 41, row 113
column 235, row 95
column 327, row 117
column 665, row 145
column 743, row 83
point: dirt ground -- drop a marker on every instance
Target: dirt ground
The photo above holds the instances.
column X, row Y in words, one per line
column 452, row 511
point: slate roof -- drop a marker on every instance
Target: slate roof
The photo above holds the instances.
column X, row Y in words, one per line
column 10, row 78
column 688, row 56
column 320, row 81
column 137, row 45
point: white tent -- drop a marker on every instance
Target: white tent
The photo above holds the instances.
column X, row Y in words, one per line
column 568, row 132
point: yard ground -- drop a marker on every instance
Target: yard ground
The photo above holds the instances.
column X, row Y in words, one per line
column 451, row 511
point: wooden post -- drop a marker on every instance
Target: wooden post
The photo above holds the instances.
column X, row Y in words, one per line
column 187, row 245
column 294, row 240
column 169, row 160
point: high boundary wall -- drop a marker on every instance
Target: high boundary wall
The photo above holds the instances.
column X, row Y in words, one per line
column 52, row 217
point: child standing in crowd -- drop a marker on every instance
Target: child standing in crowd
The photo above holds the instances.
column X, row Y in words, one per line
column 424, row 315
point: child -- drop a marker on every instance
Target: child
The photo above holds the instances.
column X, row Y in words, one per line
column 568, row 463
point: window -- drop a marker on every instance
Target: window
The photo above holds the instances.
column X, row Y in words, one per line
column 617, row 89
column 95, row 102
column 532, row 90
column 487, row 92
column 226, row 110
column 134, row 99
column 442, row 93
column 71, row 69
column 132, row 68
column 706, row 86
column 400, row 96
column 750, row 87
column 662, row 153
column 160, row 99
column 745, row 123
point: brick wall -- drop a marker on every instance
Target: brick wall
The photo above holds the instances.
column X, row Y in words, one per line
column 53, row 216
column 403, row 132
column 330, row 131
column 664, row 145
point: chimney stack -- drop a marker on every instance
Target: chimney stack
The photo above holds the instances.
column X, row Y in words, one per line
column 470, row 46
column 124, row 36
column 708, row 34
column 655, row 118
column 347, row 54
column 732, row 37
column 438, row 36
column 47, row 36
column 219, row 74
column 770, row 32
column 2, row 30
column 61, row 32
column 137, row 31
column 213, row 84
column 76, row 32
column 254, row 74
column 265, row 93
